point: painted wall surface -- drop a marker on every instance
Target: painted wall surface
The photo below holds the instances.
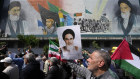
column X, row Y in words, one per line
column 95, row 17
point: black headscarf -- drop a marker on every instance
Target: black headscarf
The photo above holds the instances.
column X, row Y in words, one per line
column 126, row 2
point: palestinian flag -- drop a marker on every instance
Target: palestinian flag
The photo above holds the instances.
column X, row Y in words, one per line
column 53, row 50
column 128, row 58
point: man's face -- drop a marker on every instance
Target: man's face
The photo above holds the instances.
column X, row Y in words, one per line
column 14, row 11
column 94, row 61
column 124, row 8
column 49, row 23
column 68, row 39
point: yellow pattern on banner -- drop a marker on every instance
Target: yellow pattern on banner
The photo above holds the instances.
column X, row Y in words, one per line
column 60, row 14
column 96, row 10
column 98, row 13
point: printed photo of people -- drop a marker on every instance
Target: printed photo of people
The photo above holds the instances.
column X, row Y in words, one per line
column 93, row 26
column 70, row 42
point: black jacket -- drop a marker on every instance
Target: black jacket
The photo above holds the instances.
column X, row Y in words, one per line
column 32, row 71
column 53, row 73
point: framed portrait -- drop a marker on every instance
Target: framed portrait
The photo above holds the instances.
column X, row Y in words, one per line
column 70, row 42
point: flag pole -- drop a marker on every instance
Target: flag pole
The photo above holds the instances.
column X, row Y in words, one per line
column 128, row 39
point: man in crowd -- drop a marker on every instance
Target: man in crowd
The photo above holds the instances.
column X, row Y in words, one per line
column 53, row 72
column 98, row 66
column 11, row 69
column 3, row 49
column 46, row 66
column 11, row 54
column 32, row 69
column 19, row 61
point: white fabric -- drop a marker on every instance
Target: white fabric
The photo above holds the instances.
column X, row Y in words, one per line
column 41, row 65
column 7, row 60
column 13, row 24
column 73, row 54
column 125, row 16
column 46, row 67
column 12, row 71
column 135, row 62
column 39, row 59
column 14, row 18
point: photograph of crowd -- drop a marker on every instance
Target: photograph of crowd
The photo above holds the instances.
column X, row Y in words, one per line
column 93, row 26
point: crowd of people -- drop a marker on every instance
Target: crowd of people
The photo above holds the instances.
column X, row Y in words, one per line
column 95, row 65
column 93, row 26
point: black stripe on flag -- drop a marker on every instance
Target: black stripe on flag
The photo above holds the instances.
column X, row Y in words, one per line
column 134, row 50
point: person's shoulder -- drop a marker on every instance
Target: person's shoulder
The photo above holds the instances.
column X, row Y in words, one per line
column 47, row 61
column 7, row 69
column 54, row 68
column 112, row 74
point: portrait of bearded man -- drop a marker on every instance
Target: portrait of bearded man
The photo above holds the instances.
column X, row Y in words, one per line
column 127, row 19
column 70, row 42
column 14, row 24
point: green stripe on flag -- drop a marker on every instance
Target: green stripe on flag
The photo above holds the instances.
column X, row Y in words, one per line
column 53, row 46
column 52, row 7
column 55, row 50
column 55, row 9
column 129, row 68
column 51, row 42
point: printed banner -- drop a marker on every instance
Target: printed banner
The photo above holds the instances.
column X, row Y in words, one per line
column 94, row 17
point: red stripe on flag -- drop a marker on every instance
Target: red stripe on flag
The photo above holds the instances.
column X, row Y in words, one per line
column 58, row 57
column 122, row 52
column 52, row 55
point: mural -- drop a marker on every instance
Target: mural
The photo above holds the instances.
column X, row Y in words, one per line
column 14, row 24
column 95, row 17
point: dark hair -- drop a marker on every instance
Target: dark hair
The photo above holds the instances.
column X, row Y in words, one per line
column 30, row 57
column 68, row 31
column 54, row 60
column 126, row 2
column 133, row 10
column 14, row 4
